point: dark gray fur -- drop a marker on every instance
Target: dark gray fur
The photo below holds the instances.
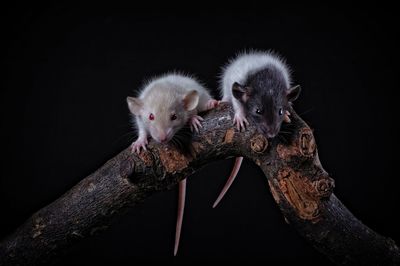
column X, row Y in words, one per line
column 266, row 91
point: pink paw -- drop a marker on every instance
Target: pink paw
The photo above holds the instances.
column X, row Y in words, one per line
column 286, row 118
column 195, row 123
column 139, row 143
column 211, row 104
column 240, row 121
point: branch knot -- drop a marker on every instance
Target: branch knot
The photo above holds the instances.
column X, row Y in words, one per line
column 307, row 142
column 258, row 144
column 324, row 187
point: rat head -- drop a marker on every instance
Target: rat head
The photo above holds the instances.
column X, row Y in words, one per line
column 164, row 113
column 265, row 107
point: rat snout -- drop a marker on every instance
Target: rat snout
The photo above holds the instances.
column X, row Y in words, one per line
column 163, row 138
column 164, row 135
column 270, row 135
column 272, row 131
column 268, row 131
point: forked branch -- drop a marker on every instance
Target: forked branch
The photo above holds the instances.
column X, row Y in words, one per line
column 298, row 183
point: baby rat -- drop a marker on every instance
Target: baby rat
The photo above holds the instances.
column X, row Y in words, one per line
column 258, row 84
column 165, row 105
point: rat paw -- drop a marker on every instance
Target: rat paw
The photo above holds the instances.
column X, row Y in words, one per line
column 195, row 123
column 240, row 121
column 286, row 118
column 139, row 143
column 211, row 104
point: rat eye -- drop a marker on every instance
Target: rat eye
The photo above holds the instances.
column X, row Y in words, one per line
column 281, row 111
column 151, row 117
column 258, row 111
column 173, row 117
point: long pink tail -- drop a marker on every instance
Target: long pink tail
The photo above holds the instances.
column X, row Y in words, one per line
column 235, row 170
column 181, row 208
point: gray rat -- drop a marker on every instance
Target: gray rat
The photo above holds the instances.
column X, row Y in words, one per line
column 165, row 105
column 258, row 84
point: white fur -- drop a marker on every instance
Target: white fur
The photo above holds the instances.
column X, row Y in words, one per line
column 162, row 97
column 240, row 67
column 181, row 83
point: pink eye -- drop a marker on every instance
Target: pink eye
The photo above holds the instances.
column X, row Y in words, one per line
column 173, row 117
column 151, row 117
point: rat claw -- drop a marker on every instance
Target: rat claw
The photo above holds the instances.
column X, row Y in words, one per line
column 286, row 118
column 240, row 121
column 194, row 128
column 139, row 143
column 211, row 104
column 133, row 148
column 195, row 123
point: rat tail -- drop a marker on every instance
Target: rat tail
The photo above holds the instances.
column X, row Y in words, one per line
column 235, row 170
column 181, row 208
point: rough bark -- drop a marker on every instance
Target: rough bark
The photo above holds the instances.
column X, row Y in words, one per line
column 300, row 186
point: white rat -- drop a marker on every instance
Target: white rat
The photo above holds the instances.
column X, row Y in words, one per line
column 258, row 84
column 165, row 105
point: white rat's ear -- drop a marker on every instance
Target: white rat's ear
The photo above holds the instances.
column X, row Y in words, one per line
column 135, row 105
column 191, row 100
column 293, row 93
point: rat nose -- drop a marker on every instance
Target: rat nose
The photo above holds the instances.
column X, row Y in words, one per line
column 271, row 133
column 162, row 137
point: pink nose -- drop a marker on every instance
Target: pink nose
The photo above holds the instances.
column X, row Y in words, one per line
column 163, row 137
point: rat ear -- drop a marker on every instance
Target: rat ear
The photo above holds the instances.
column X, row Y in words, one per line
column 293, row 93
column 240, row 92
column 135, row 105
column 191, row 100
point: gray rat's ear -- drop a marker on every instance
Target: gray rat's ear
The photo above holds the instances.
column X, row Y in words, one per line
column 240, row 92
column 293, row 93
column 134, row 105
column 191, row 100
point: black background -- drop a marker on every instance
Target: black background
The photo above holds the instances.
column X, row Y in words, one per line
column 63, row 114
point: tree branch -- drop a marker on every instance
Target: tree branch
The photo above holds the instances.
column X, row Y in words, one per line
column 300, row 186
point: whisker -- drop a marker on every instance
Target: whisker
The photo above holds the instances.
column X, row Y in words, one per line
column 306, row 111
